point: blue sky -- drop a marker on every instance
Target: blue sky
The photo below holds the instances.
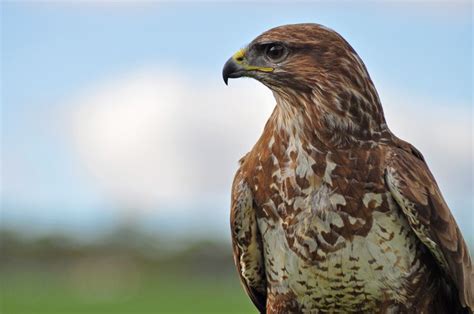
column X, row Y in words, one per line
column 53, row 55
column 70, row 44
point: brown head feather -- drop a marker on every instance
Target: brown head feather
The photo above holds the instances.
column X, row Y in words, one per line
column 324, row 79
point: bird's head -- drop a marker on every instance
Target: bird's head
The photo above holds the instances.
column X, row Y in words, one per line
column 295, row 56
column 315, row 64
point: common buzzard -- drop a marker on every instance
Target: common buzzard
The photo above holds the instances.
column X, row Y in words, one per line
column 331, row 212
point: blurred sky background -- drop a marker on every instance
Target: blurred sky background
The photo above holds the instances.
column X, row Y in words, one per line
column 116, row 113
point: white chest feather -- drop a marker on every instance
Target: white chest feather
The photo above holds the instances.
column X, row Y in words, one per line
column 363, row 269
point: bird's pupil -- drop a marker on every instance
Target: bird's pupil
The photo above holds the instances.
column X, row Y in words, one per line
column 275, row 51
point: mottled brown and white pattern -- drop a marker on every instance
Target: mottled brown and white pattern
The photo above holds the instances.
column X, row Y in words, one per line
column 331, row 213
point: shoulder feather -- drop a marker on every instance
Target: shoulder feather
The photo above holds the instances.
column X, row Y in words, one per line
column 415, row 190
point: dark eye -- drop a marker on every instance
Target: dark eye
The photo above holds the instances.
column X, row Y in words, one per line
column 275, row 52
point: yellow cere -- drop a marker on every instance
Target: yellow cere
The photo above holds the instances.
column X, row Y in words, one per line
column 239, row 58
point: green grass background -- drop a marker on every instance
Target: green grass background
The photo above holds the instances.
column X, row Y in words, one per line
column 53, row 275
column 45, row 293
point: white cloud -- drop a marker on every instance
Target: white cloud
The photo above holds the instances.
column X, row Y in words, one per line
column 153, row 137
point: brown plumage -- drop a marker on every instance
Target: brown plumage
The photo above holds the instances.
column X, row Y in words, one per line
column 330, row 211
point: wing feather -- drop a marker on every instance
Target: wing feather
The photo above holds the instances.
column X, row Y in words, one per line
column 246, row 242
column 415, row 190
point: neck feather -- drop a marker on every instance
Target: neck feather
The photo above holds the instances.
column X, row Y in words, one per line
column 333, row 119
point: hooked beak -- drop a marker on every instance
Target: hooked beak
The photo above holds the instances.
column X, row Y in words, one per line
column 237, row 66
column 232, row 69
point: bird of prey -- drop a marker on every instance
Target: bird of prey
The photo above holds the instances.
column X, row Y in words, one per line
column 331, row 212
